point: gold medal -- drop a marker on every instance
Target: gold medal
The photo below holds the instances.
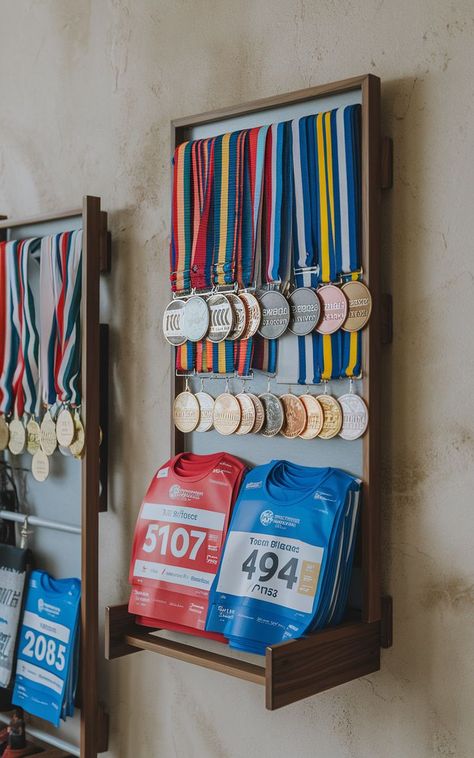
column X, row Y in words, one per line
column 4, row 433
column 186, row 412
column 40, row 466
column 360, row 305
column 17, row 441
column 314, row 417
column 48, row 439
column 332, row 411
column 65, row 429
column 33, row 436
column 78, row 446
column 254, row 314
column 259, row 413
column 206, row 408
column 294, row 416
column 227, row 414
column 247, row 408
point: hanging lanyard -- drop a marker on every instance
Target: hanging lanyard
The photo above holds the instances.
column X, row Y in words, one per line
column 181, row 231
column 8, row 336
column 67, row 305
column 17, row 321
column 29, row 333
column 48, row 325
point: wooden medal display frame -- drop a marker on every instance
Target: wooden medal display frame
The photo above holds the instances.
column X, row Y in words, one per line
column 300, row 668
column 94, row 412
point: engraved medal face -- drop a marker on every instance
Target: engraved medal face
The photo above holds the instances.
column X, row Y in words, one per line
column 254, row 314
column 314, row 417
column 295, row 416
column 305, row 310
column 227, row 413
column 332, row 416
column 40, row 466
column 221, row 318
column 355, row 416
column 186, row 412
column 333, row 309
column 65, row 429
column 206, row 408
column 247, row 407
column 259, row 413
column 4, row 433
column 48, row 439
column 78, row 446
column 33, row 436
column 360, row 305
column 275, row 314
column 274, row 415
column 17, row 441
column 240, row 316
column 173, row 322
column 195, row 318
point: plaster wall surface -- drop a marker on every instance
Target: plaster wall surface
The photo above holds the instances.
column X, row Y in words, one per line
column 87, row 91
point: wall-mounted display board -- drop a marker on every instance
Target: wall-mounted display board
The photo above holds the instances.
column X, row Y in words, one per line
column 64, row 509
column 333, row 655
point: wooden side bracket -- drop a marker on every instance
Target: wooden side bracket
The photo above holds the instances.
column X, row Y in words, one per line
column 386, row 173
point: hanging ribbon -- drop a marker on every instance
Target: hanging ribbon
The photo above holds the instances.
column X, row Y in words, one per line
column 48, row 323
column 9, row 340
column 29, row 338
column 181, row 230
column 67, row 278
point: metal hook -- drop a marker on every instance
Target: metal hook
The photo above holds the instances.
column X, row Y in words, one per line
column 24, row 534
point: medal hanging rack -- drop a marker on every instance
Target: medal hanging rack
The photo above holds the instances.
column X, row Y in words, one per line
column 297, row 423
column 91, row 472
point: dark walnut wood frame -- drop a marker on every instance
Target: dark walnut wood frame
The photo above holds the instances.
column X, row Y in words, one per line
column 299, row 668
column 95, row 260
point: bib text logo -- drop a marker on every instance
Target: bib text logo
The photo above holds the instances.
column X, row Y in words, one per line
column 266, row 518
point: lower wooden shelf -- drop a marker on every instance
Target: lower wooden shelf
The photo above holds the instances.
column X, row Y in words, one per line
column 293, row 670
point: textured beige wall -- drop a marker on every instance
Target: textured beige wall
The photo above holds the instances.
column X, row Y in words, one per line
column 87, row 90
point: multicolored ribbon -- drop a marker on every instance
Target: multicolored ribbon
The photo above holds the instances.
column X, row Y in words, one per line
column 9, row 339
column 48, row 324
column 29, row 338
column 68, row 287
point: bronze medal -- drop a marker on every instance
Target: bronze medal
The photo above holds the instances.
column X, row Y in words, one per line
column 186, row 412
column 40, row 466
column 227, row 414
column 295, row 416
column 248, row 413
column 240, row 316
column 65, row 429
column 33, row 436
column 48, row 439
column 333, row 309
column 254, row 314
column 355, row 416
column 314, row 417
column 360, row 305
column 206, row 408
column 259, row 413
column 17, row 441
column 332, row 417
column 4, row 433
column 78, row 446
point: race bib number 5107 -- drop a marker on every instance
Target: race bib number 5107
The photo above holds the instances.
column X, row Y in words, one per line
column 276, row 570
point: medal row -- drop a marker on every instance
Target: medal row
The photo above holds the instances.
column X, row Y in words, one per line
column 306, row 416
column 269, row 313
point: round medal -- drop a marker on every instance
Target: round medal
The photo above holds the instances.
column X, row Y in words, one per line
column 305, row 310
column 332, row 412
column 17, row 441
column 186, row 412
column 4, row 433
column 65, row 429
column 274, row 415
column 40, row 466
column 240, row 316
column 195, row 318
column 314, row 417
column 77, row 447
column 48, row 439
column 259, row 413
column 247, row 408
column 254, row 314
column 221, row 318
column 275, row 314
column 355, row 416
column 173, row 322
column 206, row 407
column 33, row 436
column 333, row 309
column 227, row 413
column 360, row 305
column 295, row 416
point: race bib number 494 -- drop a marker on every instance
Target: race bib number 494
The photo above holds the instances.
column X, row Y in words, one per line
column 276, row 570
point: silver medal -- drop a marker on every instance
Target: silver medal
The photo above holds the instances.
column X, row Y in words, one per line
column 274, row 414
column 221, row 318
column 195, row 319
column 355, row 416
column 275, row 314
column 305, row 310
column 173, row 322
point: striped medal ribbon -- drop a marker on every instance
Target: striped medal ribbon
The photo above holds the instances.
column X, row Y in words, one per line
column 8, row 340
column 29, row 342
column 48, row 342
column 17, row 440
